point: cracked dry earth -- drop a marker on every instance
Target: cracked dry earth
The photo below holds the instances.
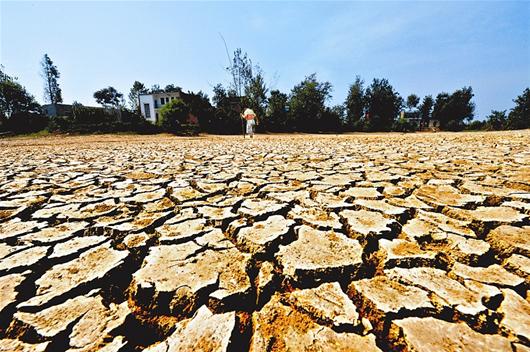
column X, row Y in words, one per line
column 415, row 242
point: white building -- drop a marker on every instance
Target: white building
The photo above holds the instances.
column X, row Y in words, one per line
column 151, row 103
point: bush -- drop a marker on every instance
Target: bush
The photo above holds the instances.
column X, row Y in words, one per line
column 60, row 124
column 403, row 125
column 92, row 115
column 173, row 115
column 130, row 124
column 26, row 122
column 475, row 126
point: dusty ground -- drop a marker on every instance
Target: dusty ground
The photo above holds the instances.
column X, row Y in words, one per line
column 300, row 243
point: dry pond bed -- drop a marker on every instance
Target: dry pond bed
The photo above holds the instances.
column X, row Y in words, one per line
column 405, row 242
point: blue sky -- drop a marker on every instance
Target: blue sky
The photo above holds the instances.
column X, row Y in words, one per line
column 421, row 47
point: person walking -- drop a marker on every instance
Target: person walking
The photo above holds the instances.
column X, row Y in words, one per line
column 252, row 120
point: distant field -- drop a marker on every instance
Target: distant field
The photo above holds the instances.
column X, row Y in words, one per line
column 360, row 242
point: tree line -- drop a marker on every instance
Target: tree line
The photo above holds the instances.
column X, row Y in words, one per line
column 376, row 106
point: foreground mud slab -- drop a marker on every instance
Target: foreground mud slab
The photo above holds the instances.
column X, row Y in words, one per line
column 415, row 242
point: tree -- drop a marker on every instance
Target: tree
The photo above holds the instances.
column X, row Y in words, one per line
column 173, row 115
column 155, row 88
column 425, row 108
column 307, row 104
column 199, row 106
column 109, row 97
column 334, row 118
column 19, row 112
column 519, row 116
column 170, row 88
column 134, row 95
column 241, row 71
column 256, row 95
column 454, row 110
column 50, row 73
column 412, row 101
column 277, row 110
column 14, row 98
column 226, row 118
column 383, row 105
column 496, row 120
column 355, row 105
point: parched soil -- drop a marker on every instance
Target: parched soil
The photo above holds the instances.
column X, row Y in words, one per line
column 403, row 242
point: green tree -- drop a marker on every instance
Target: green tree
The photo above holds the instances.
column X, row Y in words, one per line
column 412, row 101
column 355, row 105
column 425, row 108
column 226, row 118
column 334, row 118
column 134, row 95
column 171, row 88
column 383, row 105
column 454, row 110
column 256, row 95
column 307, row 104
column 277, row 111
column 109, row 97
column 155, row 88
column 519, row 116
column 496, row 120
column 14, row 98
column 19, row 112
column 199, row 105
column 173, row 115
column 50, row 73
column 241, row 71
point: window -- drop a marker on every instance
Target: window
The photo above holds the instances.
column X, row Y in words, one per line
column 147, row 111
column 161, row 101
column 156, row 117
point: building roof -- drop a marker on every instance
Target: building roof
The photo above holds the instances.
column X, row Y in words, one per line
column 163, row 93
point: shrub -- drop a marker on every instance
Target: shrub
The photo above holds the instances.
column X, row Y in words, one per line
column 173, row 115
column 403, row 125
column 27, row 122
